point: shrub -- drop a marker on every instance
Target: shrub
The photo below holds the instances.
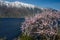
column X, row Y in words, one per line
column 25, row 37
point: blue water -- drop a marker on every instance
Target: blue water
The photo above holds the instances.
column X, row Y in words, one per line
column 10, row 27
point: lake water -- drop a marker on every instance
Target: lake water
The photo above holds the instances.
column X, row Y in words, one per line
column 10, row 27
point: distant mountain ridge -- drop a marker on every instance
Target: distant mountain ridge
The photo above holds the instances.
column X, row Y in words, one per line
column 18, row 9
column 16, row 4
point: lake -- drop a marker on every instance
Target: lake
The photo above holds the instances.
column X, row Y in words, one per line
column 10, row 27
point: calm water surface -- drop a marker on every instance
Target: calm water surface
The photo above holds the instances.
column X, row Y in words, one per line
column 10, row 27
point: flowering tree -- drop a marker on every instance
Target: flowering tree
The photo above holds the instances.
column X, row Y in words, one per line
column 42, row 24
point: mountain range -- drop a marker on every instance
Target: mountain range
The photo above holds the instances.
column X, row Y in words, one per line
column 19, row 10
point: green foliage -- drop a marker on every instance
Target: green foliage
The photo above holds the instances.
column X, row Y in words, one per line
column 2, row 38
column 26, row 37
column 59, row 31
column 57, row 37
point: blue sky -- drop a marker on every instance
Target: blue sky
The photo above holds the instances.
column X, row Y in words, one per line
column 42, row 3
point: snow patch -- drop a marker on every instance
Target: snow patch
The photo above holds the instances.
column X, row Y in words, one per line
column 16, row 4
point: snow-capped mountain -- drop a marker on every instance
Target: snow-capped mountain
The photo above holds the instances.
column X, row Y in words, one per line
column 18, row 9
column 16, row 4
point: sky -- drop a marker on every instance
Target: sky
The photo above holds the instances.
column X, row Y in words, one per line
column 42, row 3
